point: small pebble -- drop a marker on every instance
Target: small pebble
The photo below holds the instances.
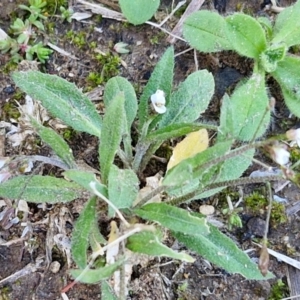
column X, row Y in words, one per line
column 54, row 267
column 206, row 209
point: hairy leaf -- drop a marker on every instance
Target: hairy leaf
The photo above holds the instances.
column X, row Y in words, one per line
column 249, row 105
column 119, row 84
column 205, row 31
column 245, row 35
column 287, row 26
column 81, row 232
column 138, row 11
column 56, row 142
column 96, row 275
column 174, row 218
column 172, row 131
column 161, row 79
column 107, row 292
column 113, row 122
column 191, row 168
column 40, row 189
column 84, row 178
column 149, row 243
column 222, row 251
column 123, row 187
column 288, row 76
column 62, row 99
column 190, row 100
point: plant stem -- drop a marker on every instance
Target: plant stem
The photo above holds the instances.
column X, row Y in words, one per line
column 234, row 182
column 152, row 194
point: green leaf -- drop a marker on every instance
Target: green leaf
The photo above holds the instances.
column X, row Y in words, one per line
column 246, row 35
column 138, row 11
column 94, row 276
column 111, row 134
column 222, row 251
column 123, row 187
column 287, row 26
column 267, row 26
column 81, row 232
column 149, row 243
column 174, row 218
column 287, row 75
column 56, row 142
column 106, row 292
column 161, row 79
column 62, row 99
column 250, row 110
column 205, row 31
column 40, row 189
column 191, row 168
column 119, row 84
column 190, row 100
column 227, row 117
column 84, row 178
column 270, row 58
column 232, row 168
column 172, row 131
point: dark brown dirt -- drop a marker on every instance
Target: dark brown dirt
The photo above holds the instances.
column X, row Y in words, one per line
column 26, row 267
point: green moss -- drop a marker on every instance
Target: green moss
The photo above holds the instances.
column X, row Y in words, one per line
column 155, row 39
column 10, row 111
column 295, row 156
column 68, row 133
column 94, row 79
column 49, row 27
column 53, row 6
column 279, row 290
column 257, row 204
column 78, row 39
column 9, row 67
column 109, row 66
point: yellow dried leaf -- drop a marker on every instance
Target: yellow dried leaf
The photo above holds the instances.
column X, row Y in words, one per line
column 194, row 143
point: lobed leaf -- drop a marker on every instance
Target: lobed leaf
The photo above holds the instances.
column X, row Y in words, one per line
column 40, row 189
column 149, row 243
column 174, row 218
column 138, row 11
column 246, row 35
column 81, row 232
column 205, row 31
column 161, row 79
column 287, row 26
column 62, row 99
column 222, row 251
column 287, row 75
column 112, row 132
column 123, row 187
column 190, row 100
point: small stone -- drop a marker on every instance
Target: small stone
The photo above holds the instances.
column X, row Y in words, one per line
column 54, row 267
column 206, row 209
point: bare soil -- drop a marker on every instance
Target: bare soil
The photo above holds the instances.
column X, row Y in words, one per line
column 36, row 267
